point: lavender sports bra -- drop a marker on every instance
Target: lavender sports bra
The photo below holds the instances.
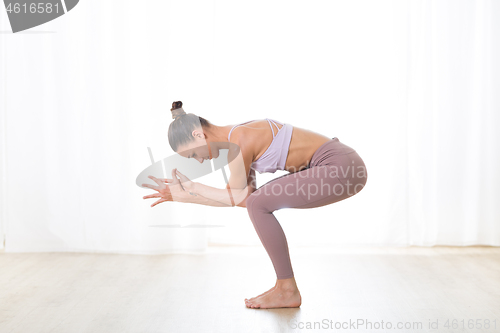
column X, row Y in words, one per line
column 274, row 157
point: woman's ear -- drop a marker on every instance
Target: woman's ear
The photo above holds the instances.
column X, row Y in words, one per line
column 198, row 134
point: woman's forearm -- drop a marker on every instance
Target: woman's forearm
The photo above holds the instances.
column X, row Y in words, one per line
column 220, row 195
column 199, row 199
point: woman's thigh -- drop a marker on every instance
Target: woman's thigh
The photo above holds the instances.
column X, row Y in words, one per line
column 313, row 187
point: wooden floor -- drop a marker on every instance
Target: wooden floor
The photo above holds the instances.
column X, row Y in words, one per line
column 66, row 292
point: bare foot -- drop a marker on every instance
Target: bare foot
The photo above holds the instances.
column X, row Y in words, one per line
column 277, row 298
column 248, row 301
column 264, row 293
column 284, row 294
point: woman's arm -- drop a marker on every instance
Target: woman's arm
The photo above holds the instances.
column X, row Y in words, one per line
column 223, row 196
column 175, row 192
column 252, row 184
column 198, row 199
column 241, row 182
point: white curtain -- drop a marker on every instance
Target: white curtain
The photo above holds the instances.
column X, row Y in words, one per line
column 453, row 107
column 409, row 84
column 3, row 178
column 82, row 103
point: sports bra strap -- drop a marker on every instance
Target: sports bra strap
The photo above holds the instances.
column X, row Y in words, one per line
column 268, row 121
column 235, row 127
column 272, row 129
column 274, row 122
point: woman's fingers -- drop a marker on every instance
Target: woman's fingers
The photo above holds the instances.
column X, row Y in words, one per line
column 174, row 177
column 160, row 181
column 151, row 187
column 182, row 177
column 176, row 181
column 159, row 201
column 156, row 180
column 164, row 192
column 156, row 195
column 185, row 181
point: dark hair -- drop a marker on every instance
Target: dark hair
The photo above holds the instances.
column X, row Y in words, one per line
column 179, row 131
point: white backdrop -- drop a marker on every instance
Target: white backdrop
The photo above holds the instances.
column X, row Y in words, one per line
column 409, row 84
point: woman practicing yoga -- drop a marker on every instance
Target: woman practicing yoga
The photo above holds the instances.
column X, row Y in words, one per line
column 322, row 171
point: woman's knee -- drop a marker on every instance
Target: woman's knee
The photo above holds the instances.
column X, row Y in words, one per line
column 250, row 201
column 256, row 202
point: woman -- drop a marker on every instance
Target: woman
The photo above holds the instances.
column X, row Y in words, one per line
column 321, row 171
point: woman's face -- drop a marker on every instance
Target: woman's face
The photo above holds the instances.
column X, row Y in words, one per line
column 199, row 149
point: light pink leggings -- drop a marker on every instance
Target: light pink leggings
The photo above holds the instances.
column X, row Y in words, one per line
column 335, row 172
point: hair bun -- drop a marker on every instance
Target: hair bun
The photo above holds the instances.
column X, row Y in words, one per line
column 177, row 109
column 176, row 105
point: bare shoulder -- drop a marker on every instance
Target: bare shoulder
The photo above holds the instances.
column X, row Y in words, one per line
column 249, row 137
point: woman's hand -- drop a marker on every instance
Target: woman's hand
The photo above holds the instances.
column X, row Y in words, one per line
column 186, row 183
column 173, row 192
